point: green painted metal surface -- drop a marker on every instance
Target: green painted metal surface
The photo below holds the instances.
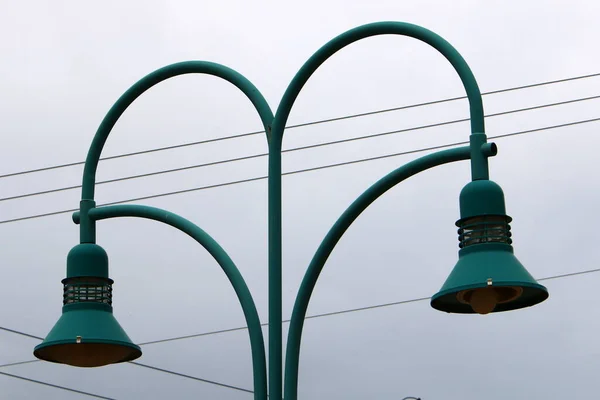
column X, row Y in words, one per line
column 87, row 227
column 485, row 265
column 82, row 324
column 257, row 343
column 87, row 204
column 479, row 263
column 480, row 198
column 334, row 235
column 479, row 166
column 87, row 259
column 275, row 270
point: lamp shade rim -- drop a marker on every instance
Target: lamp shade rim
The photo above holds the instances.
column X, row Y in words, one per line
column 86, row 341
column 533, row 293
column 456, row 289
column 54, row 351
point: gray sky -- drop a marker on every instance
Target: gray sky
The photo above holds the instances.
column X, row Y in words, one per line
column 65, row 63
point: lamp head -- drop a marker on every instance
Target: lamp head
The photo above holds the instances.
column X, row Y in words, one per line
column 87, row 334
column 487, row 277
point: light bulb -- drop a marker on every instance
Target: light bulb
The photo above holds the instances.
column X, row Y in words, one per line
column 484, row 300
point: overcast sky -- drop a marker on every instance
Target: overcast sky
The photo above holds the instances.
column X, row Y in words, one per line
column 63, row 65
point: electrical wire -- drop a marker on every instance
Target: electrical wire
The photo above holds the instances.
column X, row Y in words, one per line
column 258, row 178
column 350, row 116
column 13, row 364
column 321, row 315
column 352, row 310
column 165, row 194
column 166, row 371
column 131, row 362
column 312, row 146
column 138, row 364
column 21, row 333
column 347, row 311
column 288, row 173
column 56, row 386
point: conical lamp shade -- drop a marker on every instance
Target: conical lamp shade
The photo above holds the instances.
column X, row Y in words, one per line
column 492, row 266
column 87, row 335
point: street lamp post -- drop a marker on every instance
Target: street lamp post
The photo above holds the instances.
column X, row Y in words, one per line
column 487, row 278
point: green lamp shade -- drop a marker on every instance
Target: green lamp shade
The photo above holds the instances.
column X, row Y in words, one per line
column 87, row 336
column 488, row 278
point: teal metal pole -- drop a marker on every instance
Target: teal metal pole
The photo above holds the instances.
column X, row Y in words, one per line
column 259, row 364
column 335, row 233
column 275, row 271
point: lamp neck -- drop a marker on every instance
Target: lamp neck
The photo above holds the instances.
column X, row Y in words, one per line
column 87, row 226
column 479, row 160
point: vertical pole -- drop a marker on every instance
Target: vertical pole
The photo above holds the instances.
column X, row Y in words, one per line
column 275, row 261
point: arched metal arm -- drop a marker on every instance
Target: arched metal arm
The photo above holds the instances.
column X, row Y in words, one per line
column 257, row 344
column 87, row 229
column 374, row 29
column 335, row 233
column 479, row 166
column 187, row 67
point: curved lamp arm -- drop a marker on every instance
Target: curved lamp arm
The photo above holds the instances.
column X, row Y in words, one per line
column 479, row 163
column 335, row 233
column 374, row 29
column 257, row 345
column 189, row 67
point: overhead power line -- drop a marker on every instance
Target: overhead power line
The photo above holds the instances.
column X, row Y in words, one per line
column 166, row 371
column 139, row 364
column 328, row 314
column 322, row 121
column 348, row 311
column 230, row 183
column 14, row 364
column 21, row 333
column 56, row 386
column 307, row 147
